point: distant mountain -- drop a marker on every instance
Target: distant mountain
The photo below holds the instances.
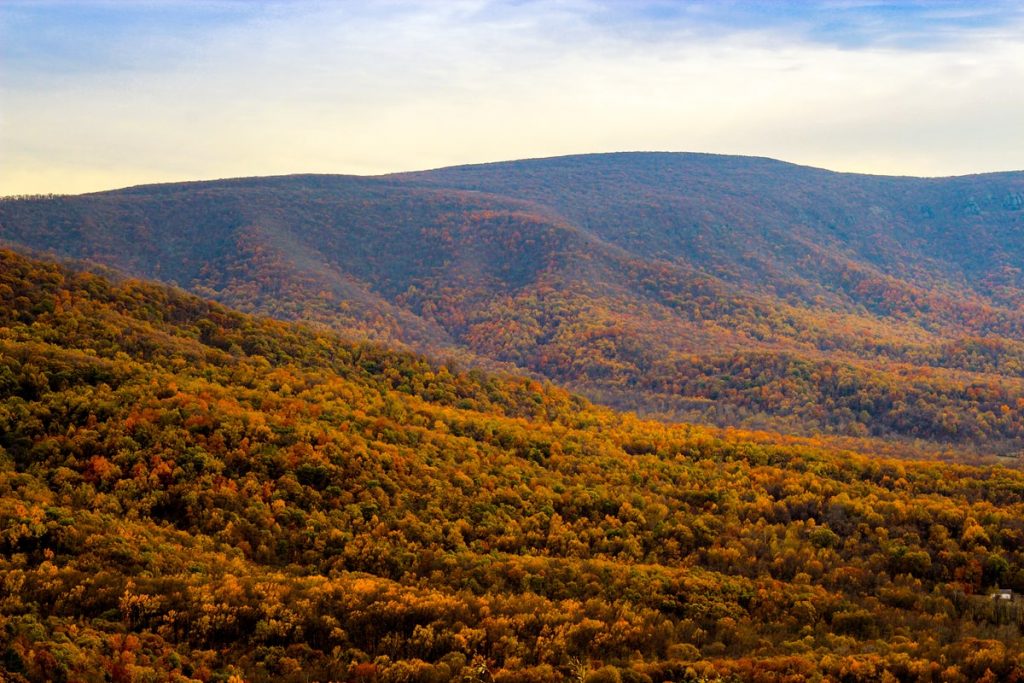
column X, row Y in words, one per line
column 188, row 493
column 734, row 290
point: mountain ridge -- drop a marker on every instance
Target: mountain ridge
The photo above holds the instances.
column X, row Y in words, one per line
column 486, row 164
column 616, row 273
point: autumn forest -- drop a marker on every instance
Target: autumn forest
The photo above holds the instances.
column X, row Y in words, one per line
column 733, row 291
column 607, row 418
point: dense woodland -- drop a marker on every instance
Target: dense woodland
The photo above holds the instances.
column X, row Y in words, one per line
column 728, row 290
column 190, row 493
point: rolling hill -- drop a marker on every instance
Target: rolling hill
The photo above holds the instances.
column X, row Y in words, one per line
column 188, row 493
column 730, row 290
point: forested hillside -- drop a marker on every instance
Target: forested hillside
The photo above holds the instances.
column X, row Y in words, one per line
column 731, row 290
column 190, row 493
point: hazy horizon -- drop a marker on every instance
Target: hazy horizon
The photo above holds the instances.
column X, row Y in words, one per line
column 213, row 179
column 98, row 95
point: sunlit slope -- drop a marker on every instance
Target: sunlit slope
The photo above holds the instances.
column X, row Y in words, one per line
column 189, row 493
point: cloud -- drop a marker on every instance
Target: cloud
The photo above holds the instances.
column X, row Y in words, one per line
column 196, row 90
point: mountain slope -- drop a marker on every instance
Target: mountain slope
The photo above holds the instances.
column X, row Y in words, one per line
column 189, row 493
column 773, row 216
column 685, row 286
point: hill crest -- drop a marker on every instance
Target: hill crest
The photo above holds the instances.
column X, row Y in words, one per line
column 679, row 285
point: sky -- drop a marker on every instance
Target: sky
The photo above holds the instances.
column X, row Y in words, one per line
column 98, row 94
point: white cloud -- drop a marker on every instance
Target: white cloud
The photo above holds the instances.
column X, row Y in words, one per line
column 356, row 88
